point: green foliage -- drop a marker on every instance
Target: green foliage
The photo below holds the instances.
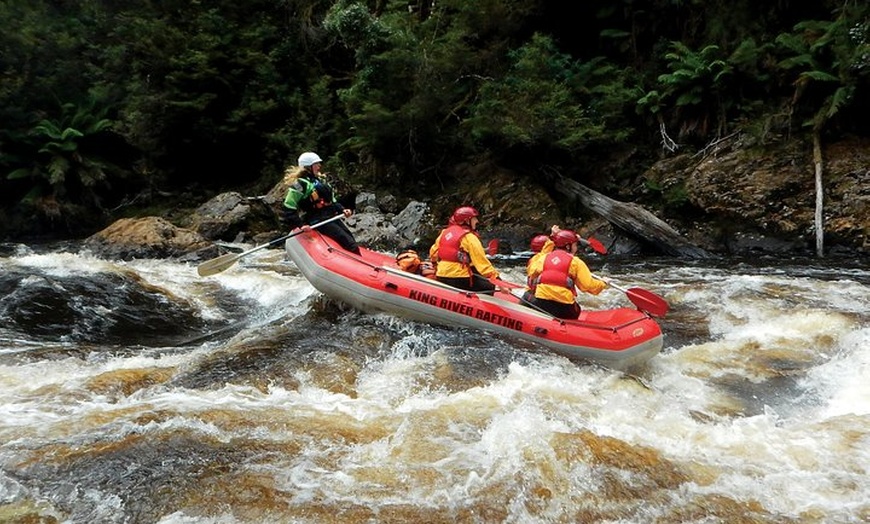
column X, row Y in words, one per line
column 456, row 84
column 62, row 162
column 210, row 89
column 692, row 74
column 706, row 90
column 221, row 93
column 423, row 87
column 548, row 100
column 393, row 105
column 385, row 65
column 357, row 28
column 693, row 87
column 312, row 124
column 831, row 61
column 674, row 196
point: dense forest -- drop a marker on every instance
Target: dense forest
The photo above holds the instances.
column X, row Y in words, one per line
column 107, row 107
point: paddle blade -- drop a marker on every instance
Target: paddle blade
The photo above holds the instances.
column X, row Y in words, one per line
column 596, row 245
column 648, row 301
column 492, row 247
column 216, row 265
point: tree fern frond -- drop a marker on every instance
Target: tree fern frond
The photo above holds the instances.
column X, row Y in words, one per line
column 839, row 99
column 821, row 76
column 22, row 172
column 57, row 170
column 796, row 61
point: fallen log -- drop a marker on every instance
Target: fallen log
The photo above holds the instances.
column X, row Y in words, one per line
column 631, row 218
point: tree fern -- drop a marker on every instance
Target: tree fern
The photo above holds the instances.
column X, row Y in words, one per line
column 60, row 159
column 693, row 88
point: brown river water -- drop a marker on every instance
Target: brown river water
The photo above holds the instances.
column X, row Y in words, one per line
column 138, row 392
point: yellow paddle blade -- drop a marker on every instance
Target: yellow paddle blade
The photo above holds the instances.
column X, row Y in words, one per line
column 216, row 265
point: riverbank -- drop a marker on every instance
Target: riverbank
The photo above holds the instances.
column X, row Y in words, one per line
column 733, row 199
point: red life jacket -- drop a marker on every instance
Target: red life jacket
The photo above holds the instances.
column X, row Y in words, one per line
column 555, row 271
column 448, row 247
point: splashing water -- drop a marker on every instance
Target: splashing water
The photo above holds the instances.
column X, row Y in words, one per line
column 139, row 392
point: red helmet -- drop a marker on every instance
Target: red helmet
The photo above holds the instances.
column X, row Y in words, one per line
column 463, row 215
column 564, row 238
column 538, row 243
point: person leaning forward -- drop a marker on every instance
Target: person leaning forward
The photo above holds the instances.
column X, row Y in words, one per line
column 459, row 255
column 310, row 199
column 558, row 275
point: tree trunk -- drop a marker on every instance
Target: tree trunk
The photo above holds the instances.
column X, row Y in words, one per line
column 630, row 218
column 819, row 220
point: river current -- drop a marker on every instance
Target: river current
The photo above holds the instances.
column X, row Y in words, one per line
column 139, row 392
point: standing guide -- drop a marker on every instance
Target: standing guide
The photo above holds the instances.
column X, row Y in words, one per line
column 311, row 196
column 459, row 255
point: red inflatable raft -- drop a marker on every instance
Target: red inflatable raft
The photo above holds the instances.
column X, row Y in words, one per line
column 618, row 338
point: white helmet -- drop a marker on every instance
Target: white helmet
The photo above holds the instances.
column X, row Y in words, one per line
column 308, row 159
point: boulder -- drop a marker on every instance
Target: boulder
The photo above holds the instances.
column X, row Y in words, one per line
column 222, row 217
column 233, row 217
column 149, row 237
column 745, row 198
column 385, row 232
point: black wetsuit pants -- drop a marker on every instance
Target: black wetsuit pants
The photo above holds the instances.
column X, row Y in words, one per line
column 336, row 230
column 557, row 309
column 477, row 282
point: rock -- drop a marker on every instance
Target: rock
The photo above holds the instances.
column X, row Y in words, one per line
column 384, row 232
column 761, row 199
column 148, row 237
column 367, row 203
column 754, row 243
column 388, row 204
column 222, row 217
column 275, row 197
column 230, row 217
column 415, row 224
column 373, row 230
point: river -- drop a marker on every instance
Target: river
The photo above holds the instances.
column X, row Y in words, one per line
column 138, row 392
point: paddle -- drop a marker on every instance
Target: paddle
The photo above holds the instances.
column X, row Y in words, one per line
column 508, row 287
column 645, row 300
column 223, row 262
column 596, row 246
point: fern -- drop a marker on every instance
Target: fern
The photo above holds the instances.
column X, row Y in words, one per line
column 693, row 87
column 61, row 160
column 830, row 54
